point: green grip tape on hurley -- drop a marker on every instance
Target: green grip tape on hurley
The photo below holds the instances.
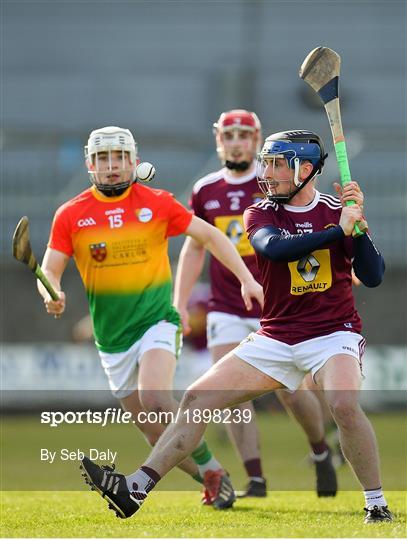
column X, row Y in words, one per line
column 344, row 171
column 343, row 163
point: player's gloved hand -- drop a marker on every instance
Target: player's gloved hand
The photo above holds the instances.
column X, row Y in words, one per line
column 184, row 314
column 349, row 216
column 252, row 290
column 55, row 307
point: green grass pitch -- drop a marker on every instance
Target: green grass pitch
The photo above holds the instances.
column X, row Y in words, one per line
column 44, row 500
column 179, row 514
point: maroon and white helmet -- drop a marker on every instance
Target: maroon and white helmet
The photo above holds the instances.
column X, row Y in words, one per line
column 237, row 119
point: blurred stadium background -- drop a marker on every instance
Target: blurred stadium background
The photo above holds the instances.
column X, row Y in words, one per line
column 166, row 69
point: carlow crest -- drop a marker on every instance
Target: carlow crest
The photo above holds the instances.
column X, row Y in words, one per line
column 98, row 251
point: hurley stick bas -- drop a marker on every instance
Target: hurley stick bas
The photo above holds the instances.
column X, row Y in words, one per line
column 320, row 70
column 22, row 252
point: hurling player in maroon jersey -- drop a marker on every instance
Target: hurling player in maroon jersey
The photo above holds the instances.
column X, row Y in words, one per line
column 309, row 321
column 220, row 199
column 305, row 250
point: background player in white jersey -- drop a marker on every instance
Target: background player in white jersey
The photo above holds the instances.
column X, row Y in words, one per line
column 220, row 198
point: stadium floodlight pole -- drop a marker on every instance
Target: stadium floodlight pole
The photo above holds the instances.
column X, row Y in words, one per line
column 22, row 252
column 320, row 70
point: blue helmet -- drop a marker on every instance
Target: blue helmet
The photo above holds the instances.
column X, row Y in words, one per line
column 295, row 146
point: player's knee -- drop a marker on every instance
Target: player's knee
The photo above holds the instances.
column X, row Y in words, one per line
column 189, row 399
column 345, row 410
column 192, row 403
column 155, row 402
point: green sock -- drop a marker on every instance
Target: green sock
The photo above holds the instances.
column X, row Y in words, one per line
column 202, row 454
column 203, row 457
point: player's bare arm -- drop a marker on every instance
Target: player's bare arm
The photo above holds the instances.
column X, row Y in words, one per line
column 222, row 248
column 190, row 264
column 53, row 266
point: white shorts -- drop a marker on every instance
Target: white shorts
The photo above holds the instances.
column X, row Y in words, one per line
column 288, row 364
column 122, row 368
column 224, row 328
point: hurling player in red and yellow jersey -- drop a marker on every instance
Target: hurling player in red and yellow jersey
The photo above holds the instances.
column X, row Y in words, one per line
column 117, row 231
column 220, row 198
column 309, row 321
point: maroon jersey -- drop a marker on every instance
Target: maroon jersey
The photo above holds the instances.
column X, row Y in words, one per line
column 313, row 296
column 220, row 199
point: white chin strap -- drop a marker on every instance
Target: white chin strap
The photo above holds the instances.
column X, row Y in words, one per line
column 296, row 172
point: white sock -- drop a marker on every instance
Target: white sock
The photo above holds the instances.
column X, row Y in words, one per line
column 211, row 465
column 374, row 497
column 138, row 481
column 257, row 479
column 317, row 458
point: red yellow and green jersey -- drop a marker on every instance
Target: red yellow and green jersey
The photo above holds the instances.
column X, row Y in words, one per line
column 120, row 246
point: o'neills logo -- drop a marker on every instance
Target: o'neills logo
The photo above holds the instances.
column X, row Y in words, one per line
column 98, row 251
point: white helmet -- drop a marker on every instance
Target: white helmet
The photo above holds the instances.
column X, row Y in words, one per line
column 109, row 139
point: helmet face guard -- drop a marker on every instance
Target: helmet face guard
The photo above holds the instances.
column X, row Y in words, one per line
column 227, row 132
column 295, row 147
column 111, row 151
